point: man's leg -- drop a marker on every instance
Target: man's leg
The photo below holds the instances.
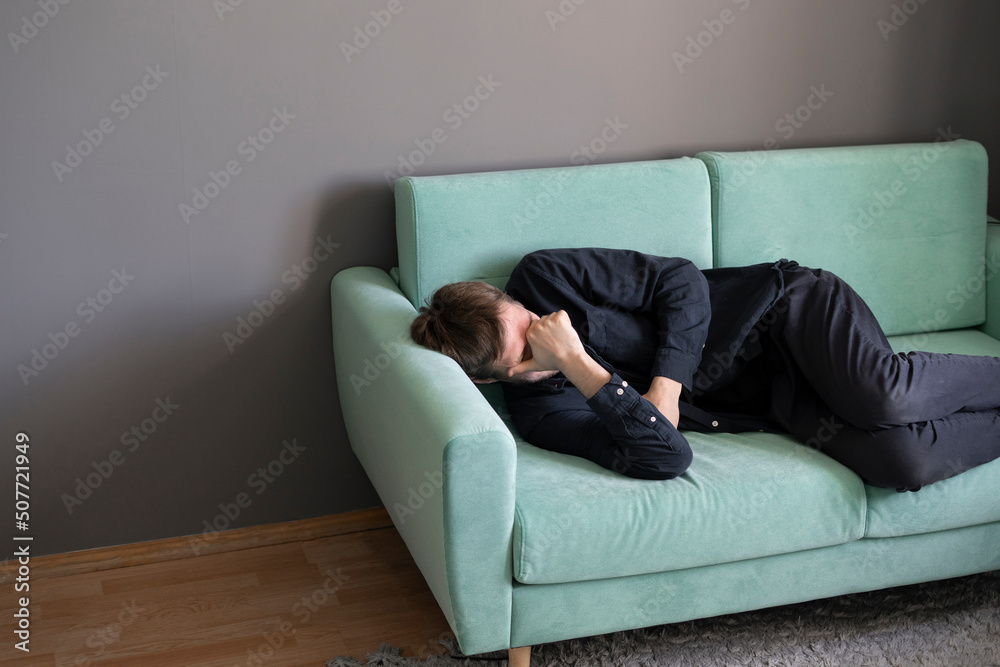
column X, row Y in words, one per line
column 898, row 420
column 902, row 457
column 829, row 333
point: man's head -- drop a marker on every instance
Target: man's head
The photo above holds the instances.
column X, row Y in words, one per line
column 480, row 327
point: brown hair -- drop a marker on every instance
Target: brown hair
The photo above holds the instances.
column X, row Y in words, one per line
column 462, row 321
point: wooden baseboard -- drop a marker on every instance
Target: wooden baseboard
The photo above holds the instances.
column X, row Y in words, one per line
column 192, row 546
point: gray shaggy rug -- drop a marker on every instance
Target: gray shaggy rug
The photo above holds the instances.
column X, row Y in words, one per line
column 953, row 623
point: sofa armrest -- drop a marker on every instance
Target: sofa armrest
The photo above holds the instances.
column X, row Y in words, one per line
column 992, row 268
column 440, row 458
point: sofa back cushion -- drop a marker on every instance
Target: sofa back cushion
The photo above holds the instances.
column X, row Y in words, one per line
column 478, row 226
column 904, row 224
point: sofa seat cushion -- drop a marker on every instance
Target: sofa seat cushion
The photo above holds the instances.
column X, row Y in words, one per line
column 745, row 496
column 967, row 499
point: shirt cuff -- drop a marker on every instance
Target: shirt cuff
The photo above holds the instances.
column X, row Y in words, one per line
column 616, row 396
column 676, row 365
column 623, row 410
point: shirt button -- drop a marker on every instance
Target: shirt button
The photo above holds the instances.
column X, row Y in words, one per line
column 715, row 424
column 621, row 391
column 653, row 418
column 624, row 383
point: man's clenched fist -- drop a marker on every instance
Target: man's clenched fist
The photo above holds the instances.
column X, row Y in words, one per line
column 553, row 344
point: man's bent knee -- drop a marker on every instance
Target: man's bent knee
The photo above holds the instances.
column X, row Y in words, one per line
column 904, row 467
column 894, row 458
column 663, row 468
column 872, row 409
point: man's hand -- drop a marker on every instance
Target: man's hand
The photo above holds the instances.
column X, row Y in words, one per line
column 555, row 345
column 665, row 394
column 553, row 342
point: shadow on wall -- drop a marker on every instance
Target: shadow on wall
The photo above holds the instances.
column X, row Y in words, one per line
column 926, row 48
column 955, row 64
column 973, row 101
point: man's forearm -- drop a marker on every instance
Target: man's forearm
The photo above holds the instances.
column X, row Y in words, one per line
column 665, row 394
column 647, row 445
column 586, row 374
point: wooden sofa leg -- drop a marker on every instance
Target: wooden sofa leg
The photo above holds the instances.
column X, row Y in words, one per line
column 519, row 657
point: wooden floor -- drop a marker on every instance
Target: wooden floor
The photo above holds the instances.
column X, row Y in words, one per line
column 295, row 603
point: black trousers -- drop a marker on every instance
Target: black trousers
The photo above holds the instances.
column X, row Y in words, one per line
column 900, row 420
column 828, row 376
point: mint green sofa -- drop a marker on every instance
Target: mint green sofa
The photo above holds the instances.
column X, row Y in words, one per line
column 523, row 546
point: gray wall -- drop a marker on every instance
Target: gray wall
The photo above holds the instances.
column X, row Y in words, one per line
column 167, row 293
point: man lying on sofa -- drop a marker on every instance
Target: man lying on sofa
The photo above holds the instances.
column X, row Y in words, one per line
column 605, row 354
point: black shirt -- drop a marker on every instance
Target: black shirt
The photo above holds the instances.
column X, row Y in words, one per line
column 641, row 316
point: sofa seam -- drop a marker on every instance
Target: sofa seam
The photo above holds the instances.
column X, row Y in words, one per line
column 519, row 519
column 713, row 202
column 865, row 511
column 711, row 163
column 505, row 432
column 417, row 278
